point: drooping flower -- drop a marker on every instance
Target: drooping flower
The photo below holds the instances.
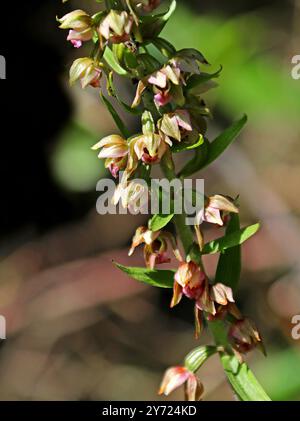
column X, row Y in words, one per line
column 132, row 194
column 189, row 281
column 175, row 125
column 156, row 246
column 149, row 147
column 87, row 71
column 177, row 376
column 115, row 149
column 167, row 86
column 245, row 336
column 116, row 27
column 216, row 207
column 80, row 25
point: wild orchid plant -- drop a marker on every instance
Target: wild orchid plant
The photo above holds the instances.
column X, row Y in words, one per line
column 169, row 88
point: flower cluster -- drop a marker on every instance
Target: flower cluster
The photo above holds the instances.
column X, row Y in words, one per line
column 173, row 114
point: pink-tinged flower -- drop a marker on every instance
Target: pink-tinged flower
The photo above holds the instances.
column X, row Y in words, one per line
column 113, row 146
column 245, row 336
column 116, row 27
column 177, row 376
column 132, row 194
column 80, row 25
column 115, row 149
column 156, row 246
column 166, row 84
column 149, row 148
column 189, row 281
column 77, row 38
column 115, row 165
column 213, row 295
column 141, row 236
column 87, row 71
column 175, row 125
column 162, row 98
column 221, row 294
column 215, row 209
column 192, row 282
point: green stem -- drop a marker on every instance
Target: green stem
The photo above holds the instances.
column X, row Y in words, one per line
column 184, row 232
column 241, row 379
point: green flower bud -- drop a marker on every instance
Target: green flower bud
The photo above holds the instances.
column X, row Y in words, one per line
column 196, row 358
column 77, row 20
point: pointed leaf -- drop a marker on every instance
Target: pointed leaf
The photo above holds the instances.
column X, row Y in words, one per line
column 164, row 47
column 233, row 239
column 197, row 162
column 182, row 146
column 113, row 63
column 243, row 380
column 229, row 265
column 218, row 146
column 158, row 222
column 151, row 26
column 196, row 80
column 121, row 126
column 156, row 278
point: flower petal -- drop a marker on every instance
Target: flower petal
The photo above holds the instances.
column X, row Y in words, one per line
column 173, row 378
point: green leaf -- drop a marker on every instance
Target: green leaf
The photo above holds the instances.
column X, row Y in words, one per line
column 229, row 265
column 113, row 92
column 147, row 64
column 156, row 278
column 164, row 47
column 121, row 126
column 197, row 162
column 233, row 239
column 221, row 143
column 151, row 26
column 182, row 146
column 158, row 222
column 243, row 380
column 192, row 54
column 196, row 80
column 113, row 63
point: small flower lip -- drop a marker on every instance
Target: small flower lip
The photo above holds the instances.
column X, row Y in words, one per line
column 162, row 99
column 174, row 377
column 177, row 376
column 211, row 212
column 149, row 148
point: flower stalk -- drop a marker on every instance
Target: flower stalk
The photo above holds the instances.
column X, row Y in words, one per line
column 168, row 100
